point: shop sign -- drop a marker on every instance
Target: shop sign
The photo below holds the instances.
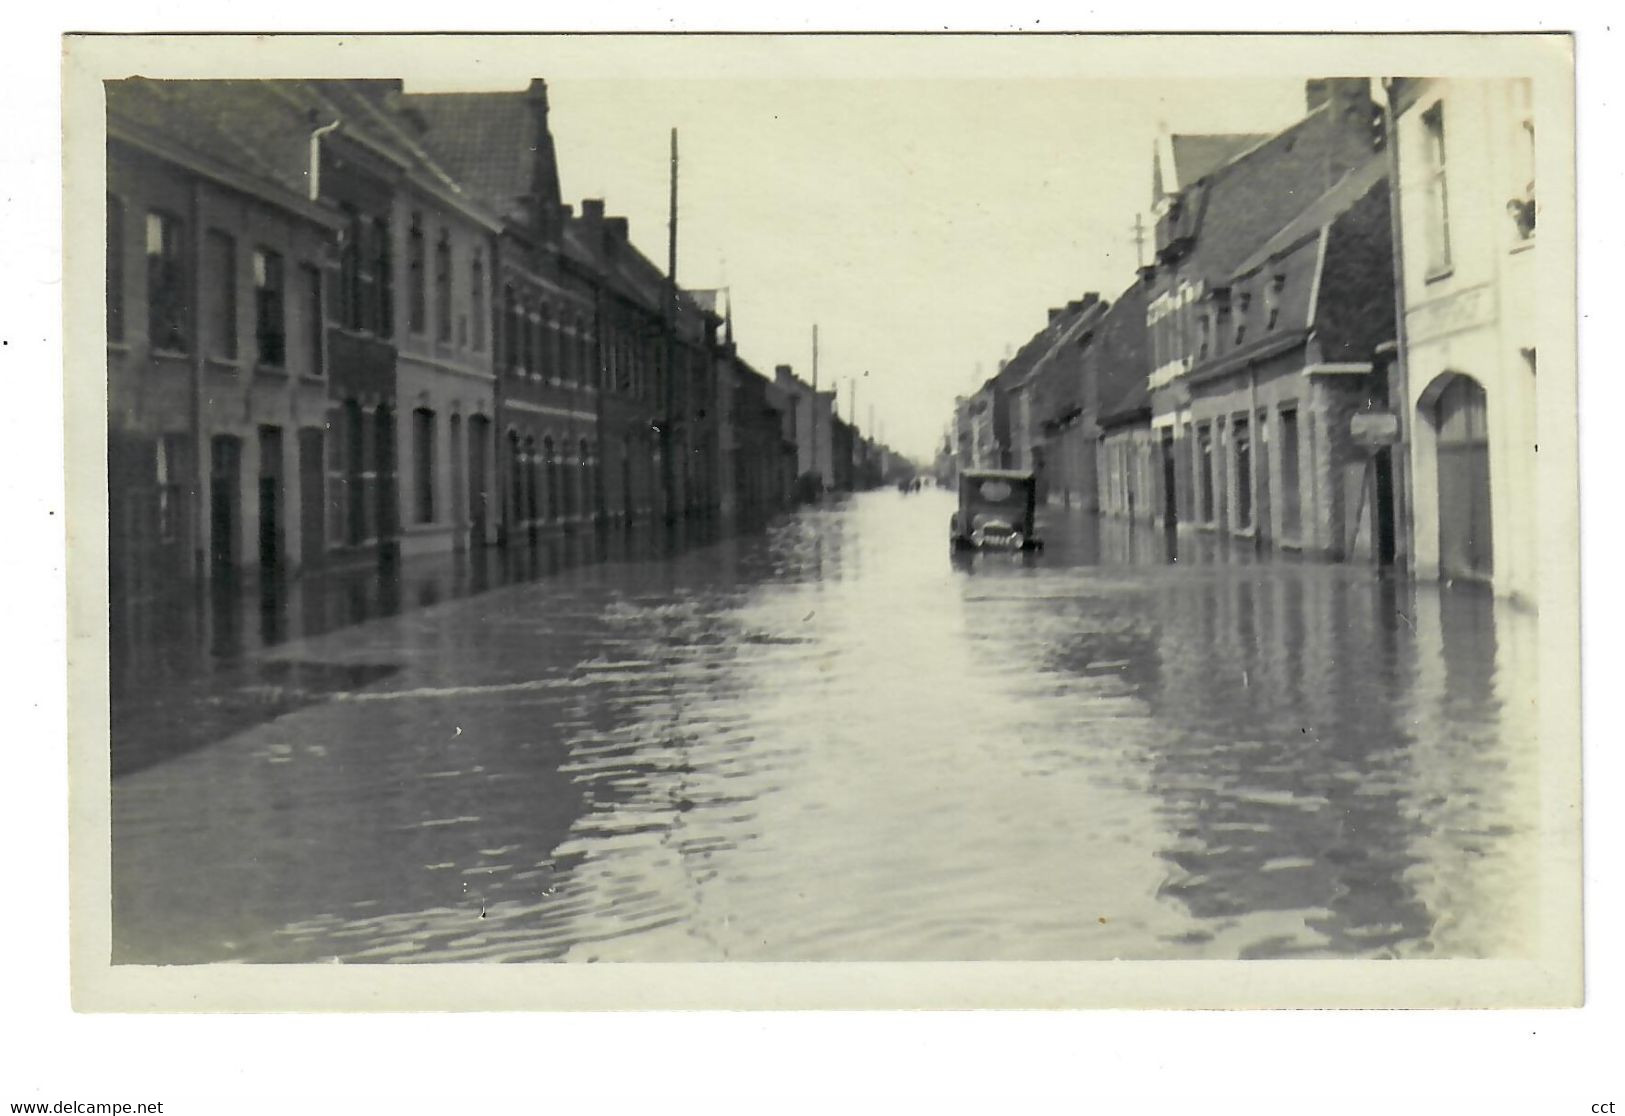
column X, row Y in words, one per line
column 1374, row 428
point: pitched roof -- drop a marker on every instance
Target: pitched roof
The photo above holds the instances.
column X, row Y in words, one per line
column 1190, row 157
column 1199, row 155
column 1241, row 205
column 487, row 141
column 1119, row 353
column 1336, row 201
column 258, row 128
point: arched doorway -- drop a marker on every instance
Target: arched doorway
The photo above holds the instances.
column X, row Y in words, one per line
column 1459, row 414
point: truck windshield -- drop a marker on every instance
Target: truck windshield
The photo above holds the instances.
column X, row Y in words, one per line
column 994, row 491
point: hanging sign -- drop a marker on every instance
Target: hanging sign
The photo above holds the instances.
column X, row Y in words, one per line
column 1374, row 429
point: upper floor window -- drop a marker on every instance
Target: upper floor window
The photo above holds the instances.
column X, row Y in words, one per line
column 383, row 279
column 166, row 283
column 314, row 325
column 1272, row 301
column 1521, row 206
column 350, row 269
column 269, row 320
column 115, row 269
column 477, row 299
column 1204, row 335
column 442, row 288
column 417, row 297
column 510, row 327
column 220, row 294
column 1244, row 301
column 1436, row 235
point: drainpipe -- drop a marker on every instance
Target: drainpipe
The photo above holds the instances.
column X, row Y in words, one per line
column 1399, row 377
column 314, row 178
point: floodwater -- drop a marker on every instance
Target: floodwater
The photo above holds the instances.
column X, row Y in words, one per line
column 825, row 739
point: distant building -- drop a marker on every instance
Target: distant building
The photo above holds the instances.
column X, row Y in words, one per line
column 814, row 422
column 1133, row 480
column 1466, row 188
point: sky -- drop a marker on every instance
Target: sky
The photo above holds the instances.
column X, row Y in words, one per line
column 925, row 220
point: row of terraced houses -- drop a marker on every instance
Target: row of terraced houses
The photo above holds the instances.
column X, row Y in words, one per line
column 1332, row 351
column 347, row 324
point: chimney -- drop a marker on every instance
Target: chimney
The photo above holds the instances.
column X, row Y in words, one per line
column 543, row 199
column 592, row 210
column 1055, row 312
column 619, row 228
column 1315, row 93
column 1352, row 122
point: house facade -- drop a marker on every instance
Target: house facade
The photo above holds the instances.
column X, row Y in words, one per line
column 1249, row 332
column 1466, row 198
column 220, row 369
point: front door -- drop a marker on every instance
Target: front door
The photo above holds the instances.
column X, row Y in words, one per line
column 1465, row 544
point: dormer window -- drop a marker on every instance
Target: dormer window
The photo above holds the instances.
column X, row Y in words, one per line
column 1272, row 301
column 1204, row 335
column 1243, row 301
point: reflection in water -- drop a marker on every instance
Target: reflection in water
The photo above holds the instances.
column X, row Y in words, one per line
column 828, row 740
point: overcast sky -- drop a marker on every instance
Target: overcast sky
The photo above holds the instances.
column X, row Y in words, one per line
column 925, row 220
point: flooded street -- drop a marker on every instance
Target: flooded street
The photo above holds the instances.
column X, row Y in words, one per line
column 828, row 740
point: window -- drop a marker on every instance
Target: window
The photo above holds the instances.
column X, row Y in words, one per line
column 166, row 284
column 423, row 463
column 552, row 466
column 314, row 323
column 1243, row 301
column 526, row 341
column 220, row 294
column 1272, row 301
column 350, row 270
column 1241, row 440
column 383, row 280
column 171, row 457
column 115, row 269
column 510, row 327
column 1291, row 500
column 1204, row 449
column 417, row 308
column 442, row 288
column 1521, row 207
column 477, row 299
column 269, row 324
column 1436, row 208
column 1204, row 336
